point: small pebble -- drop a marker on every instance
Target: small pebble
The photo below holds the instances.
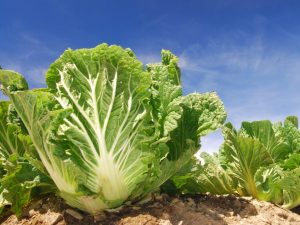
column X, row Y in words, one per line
column 54, row 218
column 164, row 222
column 32, row 212
column 221, row 215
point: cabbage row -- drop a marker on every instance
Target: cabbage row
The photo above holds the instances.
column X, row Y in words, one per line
column 106, row 131
column 260, row 159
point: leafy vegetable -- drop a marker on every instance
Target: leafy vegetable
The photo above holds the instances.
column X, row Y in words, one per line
column 19, row 179
column 109, row 131
column 260, row 160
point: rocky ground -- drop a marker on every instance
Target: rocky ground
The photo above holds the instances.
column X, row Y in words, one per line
column 161, row 210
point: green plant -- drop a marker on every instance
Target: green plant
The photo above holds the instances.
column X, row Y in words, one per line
column 106, row 129
column 21, row 176
column 261, row 160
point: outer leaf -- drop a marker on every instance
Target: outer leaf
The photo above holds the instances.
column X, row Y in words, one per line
column 38, row 110
column 263, row 131
column 189, row 118
column 16, row 171
column 165, row 87
column 184, row 181
column 22, row 182
column 12, row 137
column 201, row 114
column 213, row 178
column 268, row 183
column 12, row 81
column 246, row 156
column 210, row 177
column 182, row 120
column 292, row 162
column 290, row 184
column 279, row 186
column 291, row 134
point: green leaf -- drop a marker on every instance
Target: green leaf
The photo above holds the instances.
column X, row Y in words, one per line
column 21, row 182
column 264, row 132
column 279, row 186
column 12, row 81
column 213, row 178
column 184, row 180
column 290, row 184
column 191, row 117
column 268, row 182
column 291, row 134
column 246, row 155
column 292, row 162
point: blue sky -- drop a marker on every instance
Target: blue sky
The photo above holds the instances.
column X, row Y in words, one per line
column 247, row 51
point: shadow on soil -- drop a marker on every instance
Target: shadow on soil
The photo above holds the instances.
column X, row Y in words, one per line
column 192, row 210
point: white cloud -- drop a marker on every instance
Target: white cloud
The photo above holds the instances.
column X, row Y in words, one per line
column 255, row 80
column 34, row 46
column 29, row 59
column 211, row 143
column 36, row 76
column 147, row 58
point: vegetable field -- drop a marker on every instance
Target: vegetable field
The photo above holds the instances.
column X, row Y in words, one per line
column 110, row 134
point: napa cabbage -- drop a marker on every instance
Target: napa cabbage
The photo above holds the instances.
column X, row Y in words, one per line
column 109, row 130
column 260, row 159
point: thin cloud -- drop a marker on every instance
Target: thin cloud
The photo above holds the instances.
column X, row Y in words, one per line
column 30, row 59
column 255, row 80
column 147, row 58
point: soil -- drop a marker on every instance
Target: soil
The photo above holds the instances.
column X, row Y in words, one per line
column 161, row 210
